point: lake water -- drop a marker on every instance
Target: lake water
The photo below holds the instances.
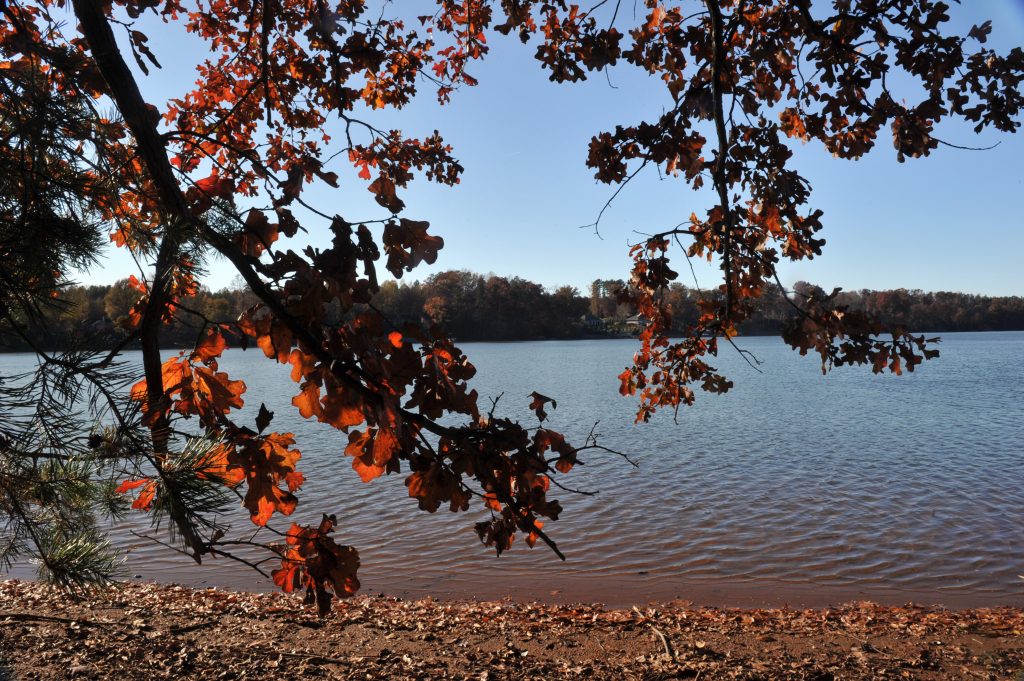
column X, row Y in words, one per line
column 793, row 488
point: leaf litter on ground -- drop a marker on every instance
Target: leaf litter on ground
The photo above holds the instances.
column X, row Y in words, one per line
column 157, row 631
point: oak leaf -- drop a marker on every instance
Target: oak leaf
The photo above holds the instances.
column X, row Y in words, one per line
column 144, row 499
column 210, row 347
column 538, row 402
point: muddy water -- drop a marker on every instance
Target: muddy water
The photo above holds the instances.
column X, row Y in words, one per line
column 794, row 488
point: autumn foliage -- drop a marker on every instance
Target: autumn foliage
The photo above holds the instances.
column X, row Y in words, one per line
column 223, row 169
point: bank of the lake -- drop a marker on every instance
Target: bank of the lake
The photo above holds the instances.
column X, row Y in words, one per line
column 169, row 632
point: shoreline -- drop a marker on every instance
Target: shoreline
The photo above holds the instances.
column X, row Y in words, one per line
column 165, row 631
column 585, row 337
column 625, row 591
column 613, row 591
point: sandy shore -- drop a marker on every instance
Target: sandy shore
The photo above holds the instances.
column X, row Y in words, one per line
column 149, row 631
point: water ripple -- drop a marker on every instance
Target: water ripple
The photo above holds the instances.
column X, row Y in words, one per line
column 882, row 486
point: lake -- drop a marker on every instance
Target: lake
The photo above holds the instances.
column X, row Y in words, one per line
column 793, row 488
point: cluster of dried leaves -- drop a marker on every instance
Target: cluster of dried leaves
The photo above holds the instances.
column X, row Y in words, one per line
column 224, row 167
column 149, row 631
column 747, row 78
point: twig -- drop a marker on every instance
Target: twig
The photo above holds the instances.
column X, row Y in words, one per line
column 211, row 548
column 308, row 657
column 29, row 617
column 957, row 146
column 591, row 443
column 750, row 357
column 664, row 639
column 608, row 203
column 863, row 642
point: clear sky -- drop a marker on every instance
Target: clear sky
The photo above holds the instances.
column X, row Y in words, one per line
column 952, row 221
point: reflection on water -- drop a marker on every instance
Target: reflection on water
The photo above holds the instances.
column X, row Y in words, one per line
column 871, row 486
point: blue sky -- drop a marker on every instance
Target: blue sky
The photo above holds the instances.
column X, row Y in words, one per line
column 952, row 221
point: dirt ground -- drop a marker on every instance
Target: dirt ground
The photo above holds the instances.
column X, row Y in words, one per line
column 149, row 631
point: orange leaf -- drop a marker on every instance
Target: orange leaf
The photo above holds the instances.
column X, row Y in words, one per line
column 407, row 244
column 308, row 401
column 144, row 500
column 359, row 447
column 341, row 409
column 538, row 402
column 385, row 446
column 366, row 472
column 211, row 346
column 217, row 465
column 531, row 539
column 221, row 392
column 383, row 189
column 288, row 576
column 549, row 439
column 267, row 462
column 259, row 233
column 277, row 342
column 216, row 186
column 129, row 485
column 303, row 365
column 294, row 480
column 263, row 498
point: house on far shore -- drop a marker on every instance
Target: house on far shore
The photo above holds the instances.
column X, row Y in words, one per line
column 637, row 321
column 591, row 323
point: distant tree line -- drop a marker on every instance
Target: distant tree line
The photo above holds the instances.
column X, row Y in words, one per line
column 474, row 306
column 94, row 317
column 916, row 310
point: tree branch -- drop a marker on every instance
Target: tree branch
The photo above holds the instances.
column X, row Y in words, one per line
column 177, row 216
column 719, row 175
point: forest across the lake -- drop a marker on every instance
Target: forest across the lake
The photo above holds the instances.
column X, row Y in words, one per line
column 488, row 307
